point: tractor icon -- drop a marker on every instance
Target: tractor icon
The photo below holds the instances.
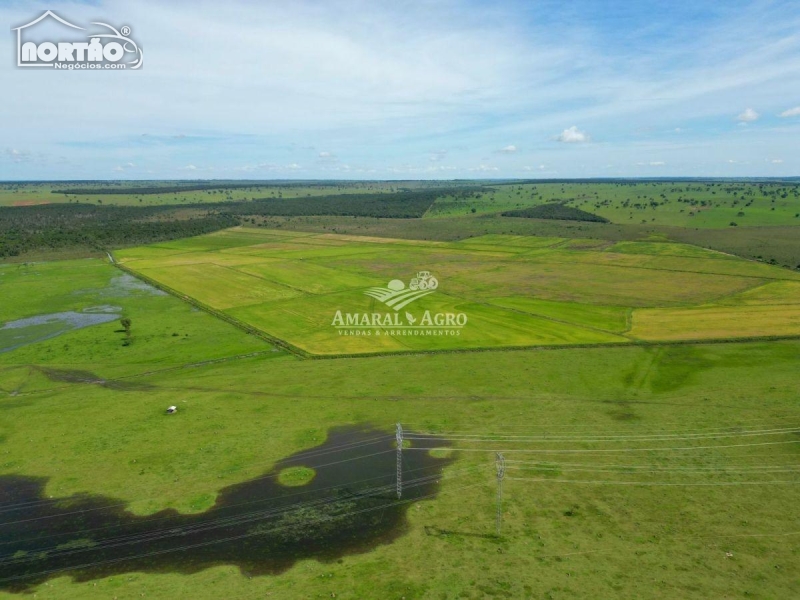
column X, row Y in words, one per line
column 424, row 281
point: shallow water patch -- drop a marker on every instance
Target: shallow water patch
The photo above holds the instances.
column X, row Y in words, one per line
column 23, row 332
column 261, row 526
column 125, row 284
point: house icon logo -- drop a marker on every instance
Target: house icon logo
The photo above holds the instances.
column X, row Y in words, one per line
column 396, row 295
column 74, row 47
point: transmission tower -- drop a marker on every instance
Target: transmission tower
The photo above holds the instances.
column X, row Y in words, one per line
column 500, row 465
column 399, row 437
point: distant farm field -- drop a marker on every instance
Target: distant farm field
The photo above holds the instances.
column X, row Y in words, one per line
column 514, row 291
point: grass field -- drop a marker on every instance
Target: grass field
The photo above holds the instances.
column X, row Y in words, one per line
column 41, row 193
column 664, row 470
column 554, row 291
column 712, row 204
column 681, row 204
column 162, row 328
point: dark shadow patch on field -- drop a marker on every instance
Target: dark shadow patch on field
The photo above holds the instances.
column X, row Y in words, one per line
column 6, row 404
column 624, row 414
column 259, row 525
column 437, row 532
column 677, row 366
column 78, row 376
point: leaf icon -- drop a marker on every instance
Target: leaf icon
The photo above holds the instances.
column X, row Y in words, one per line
column 410, row 318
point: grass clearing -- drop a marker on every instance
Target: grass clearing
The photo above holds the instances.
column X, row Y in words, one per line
column 165, row 332
column 237, row 418
column 608, row 318
column 554, row 293
column 711, row 205
column 651, row 423
column 715, row 322
column 239, row 288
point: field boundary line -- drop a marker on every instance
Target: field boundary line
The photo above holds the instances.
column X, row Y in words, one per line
column 291, row 348
column 761, row 277
column 304, row 354
column 621, row 344
column 553, row 319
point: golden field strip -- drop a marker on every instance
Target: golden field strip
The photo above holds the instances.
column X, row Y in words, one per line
column 555, row 291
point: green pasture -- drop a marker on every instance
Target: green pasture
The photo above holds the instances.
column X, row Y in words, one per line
column 687, row 204
column 661, row 471
column 41, row 193
column 647, row 471
column 515, row 290
column 680, row 203
column 164, row 331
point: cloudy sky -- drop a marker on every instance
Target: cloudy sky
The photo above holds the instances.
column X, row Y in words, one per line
column 413, row 89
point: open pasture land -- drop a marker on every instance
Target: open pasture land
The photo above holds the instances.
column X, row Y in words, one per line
column 147, row 193
column 515, row 291
column 679, row 203
column 692, row 204
column 66, row 315
column 680, row 460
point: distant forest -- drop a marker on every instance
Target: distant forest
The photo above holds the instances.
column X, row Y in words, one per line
column 556, row 210
column 26, row 229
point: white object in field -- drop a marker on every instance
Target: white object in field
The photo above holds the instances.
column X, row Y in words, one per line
column 172, row 410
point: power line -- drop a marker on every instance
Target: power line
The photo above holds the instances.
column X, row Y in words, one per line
column 126, row 504
column 581, row 428
column 226, row 507
column 555, row 439
column 541, row 467
column 608, row 450
column 295, row 458
column 734, row 468
column 656, row 483
column 159, row 534
column 201, row 544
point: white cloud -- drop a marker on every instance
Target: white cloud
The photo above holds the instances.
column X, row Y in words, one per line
column 328, row 158
column 776, row 161
column 508, row 149
column 384, row 88
column 270, row 168
column 437, row 156
column 573, row 135
column 792, row 112
column 657, row 163
column 484, row 169
column 747, row 116
column 189, row 168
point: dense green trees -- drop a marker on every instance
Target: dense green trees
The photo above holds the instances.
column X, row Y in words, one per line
column 55, row 226
column 556, row 210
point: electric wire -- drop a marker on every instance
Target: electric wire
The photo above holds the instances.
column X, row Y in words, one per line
column 303, row 455
column 155, row 535
column 208, row 543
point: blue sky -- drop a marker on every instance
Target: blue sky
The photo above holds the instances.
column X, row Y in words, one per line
column 431, row 89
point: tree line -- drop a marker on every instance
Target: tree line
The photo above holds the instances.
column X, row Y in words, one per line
column 56, row 226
